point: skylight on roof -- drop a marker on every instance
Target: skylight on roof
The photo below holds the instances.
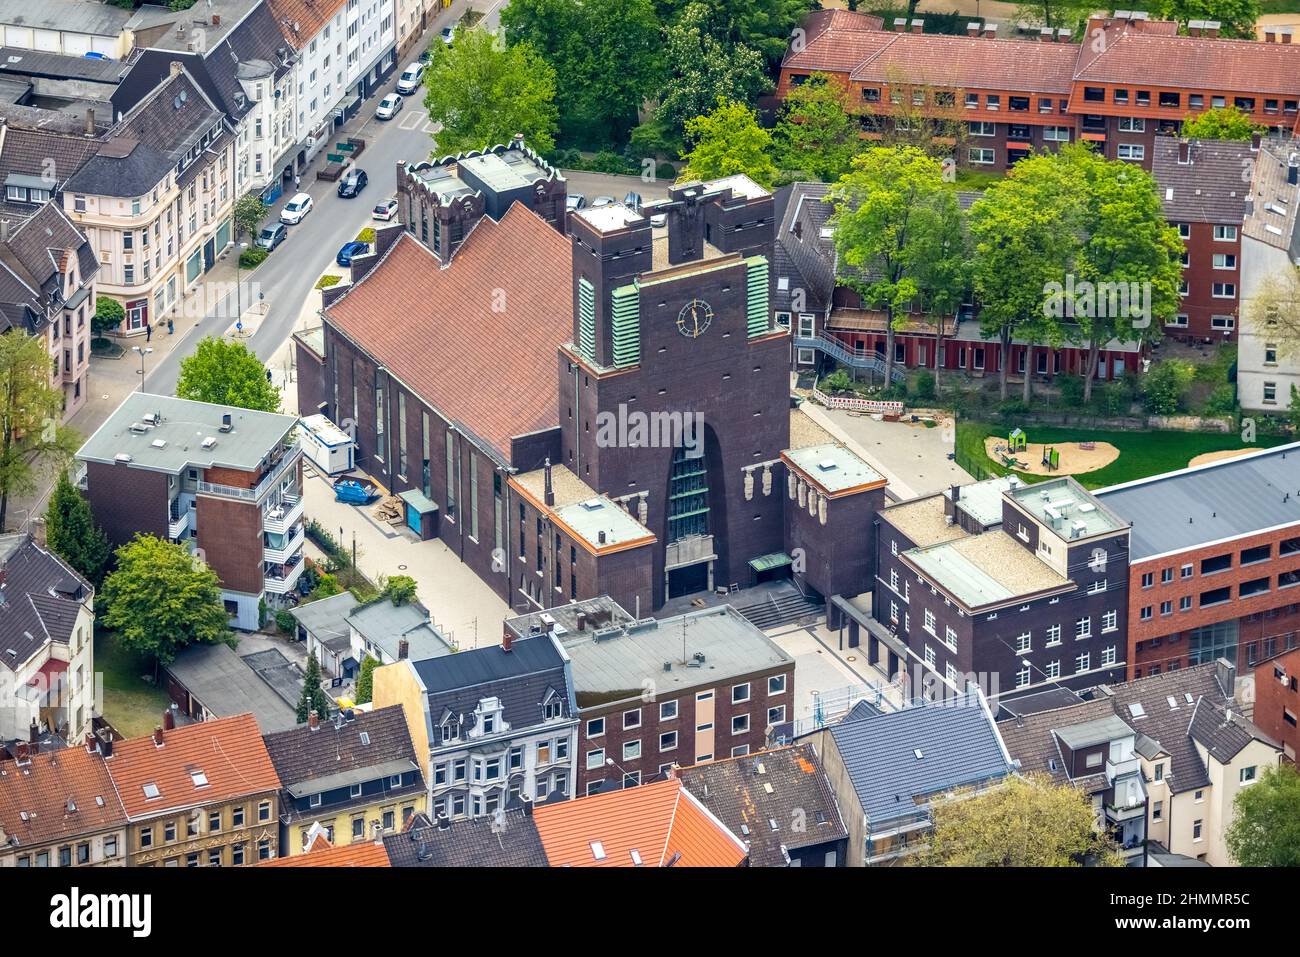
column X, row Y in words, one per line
column 199, row 778
column 151, row 791
column 918, row 753
column 1187, row 696
column 636, row 857
column 1136, row 710
column 1173, row 703
column 365, row 737
column 598, row 850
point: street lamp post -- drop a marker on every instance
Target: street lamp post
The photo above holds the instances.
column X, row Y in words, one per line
column 141, row 352
column 239, row 286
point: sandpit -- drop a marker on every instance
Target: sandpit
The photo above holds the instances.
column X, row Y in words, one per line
column 1206, row 457
column 1074, row 460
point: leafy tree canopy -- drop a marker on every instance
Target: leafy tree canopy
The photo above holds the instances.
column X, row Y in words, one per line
column 226, row 373
column 816, row 137
column 71, row 532
column 1221, row 123
column 729, row 141
column 1265, row 831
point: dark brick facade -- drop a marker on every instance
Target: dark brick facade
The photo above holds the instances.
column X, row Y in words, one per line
column 127, row 500
column 1277, row 701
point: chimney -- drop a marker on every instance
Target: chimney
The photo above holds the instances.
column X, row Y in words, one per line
column 403, row 649
column 990, row 31
column 900, row 24
column 90, row 742
column 1063, row 35
column 444, row 822
column 1255, row 139
column 313, row 721
column 582, row 621
column 1284, row 34
column 1225, row 673
column 22, row 751
column 918, row 26
column 1045, row 34
column 956, row 493
column 169, row 720
column 105, row 739
column 1184, row 153
column 33, row 732
column 90, row 122
column 600, row 536
column 1293, row 169
column 1270, row 35
column 517, row 141
column 216, row 19
column 158, row 736
column 1210, row 28
column 174, row 68
column 507, row 641
column 973, row 29
column 528, row 805
column 671, row 773
column 549, row 491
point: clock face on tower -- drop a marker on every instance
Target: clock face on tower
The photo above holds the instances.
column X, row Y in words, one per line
column 694, row 318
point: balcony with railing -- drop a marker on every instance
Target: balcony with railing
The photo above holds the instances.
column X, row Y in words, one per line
column 282, row 577
column 180, row 516
column 283, row 515
column 292, row 545
column 269, row 480
column 1128, row 795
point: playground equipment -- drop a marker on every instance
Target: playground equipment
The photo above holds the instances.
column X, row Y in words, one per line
column 1017, row 441
column 1051, row 458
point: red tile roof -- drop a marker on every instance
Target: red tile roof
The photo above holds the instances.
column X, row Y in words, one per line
column 1195, row 63
column 62, row 794
column 657, row 821
column 819, row 21
column 436, row 329
column 975, row 63
column 837, row 51
column 227, row 752
column 308, row 16
column 324, row 854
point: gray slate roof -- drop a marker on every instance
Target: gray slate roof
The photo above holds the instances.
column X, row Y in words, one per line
column 31, row 264
column 958, row 745
column 510, row 841
column 1223, row 732
column 1210, row 188
column 1225, row 499
column 736, row 792
column 801, row 255
column 304, row 758
column 326, row 619
column 227, row 685
column 521, row 678
column 40, row 601
column 384, row 624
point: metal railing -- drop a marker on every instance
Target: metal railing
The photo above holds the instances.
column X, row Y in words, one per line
column 264, row 486
column 855, row 358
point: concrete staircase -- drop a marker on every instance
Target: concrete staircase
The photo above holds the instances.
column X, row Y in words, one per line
column 777, row 611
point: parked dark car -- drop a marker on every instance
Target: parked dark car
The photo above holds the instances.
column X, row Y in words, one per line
column 352, row 183
column 349, row 250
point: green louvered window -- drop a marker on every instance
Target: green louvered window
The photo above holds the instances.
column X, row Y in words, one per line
column 587, row 319
column 626, row 308
column 756, row 311
column 688, row 496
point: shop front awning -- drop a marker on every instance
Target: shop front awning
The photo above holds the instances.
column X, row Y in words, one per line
column 766, row 563
column 418, row 501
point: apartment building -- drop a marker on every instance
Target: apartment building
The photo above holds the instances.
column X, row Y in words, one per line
column 47, row 290
column 1183, row 731
column 1205, row 188
column 47, row 668
column 1277, row 701
column 236, row 53
column 1133, row 79
column 1018, row 585
column 490, row 725
column 70, row 27
column 354, row 778
column 155, row 198
column 58, row 808
column 226, row 481
column 653, row 693
column 1214, row 562
column 201, row 795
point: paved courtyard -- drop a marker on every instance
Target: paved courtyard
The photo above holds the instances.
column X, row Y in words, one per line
column 821, row 666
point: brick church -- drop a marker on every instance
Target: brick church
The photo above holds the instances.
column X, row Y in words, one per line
column 583, row 403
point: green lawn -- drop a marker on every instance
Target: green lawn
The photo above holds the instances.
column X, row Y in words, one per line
column 1140, row 453
column 130, row 705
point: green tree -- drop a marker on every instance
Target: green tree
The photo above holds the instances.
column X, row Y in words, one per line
column 313, row 697
column 226, row 373
column 1265, row 829
column 1024, row 231
column 31, row 414
column 109, row 314
column 701, row 69
column 1221, row 123
column 1165, row 386
column 400, row 589
column 71, row 532
column 1026, row 822
column 161, row 599
column 1274, row 310
column 728, row 141
column 1236, row 17
column 1055, row 13
column 1293, row 413
column 607, row 58
column 816, row 137
column 887, row 210
column 762, row 25
column 943, row 269
column 1128, row 252
column 248, row 215
column 483, row 93
column 366, row 680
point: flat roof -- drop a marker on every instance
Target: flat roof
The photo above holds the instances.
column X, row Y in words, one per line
column 182, row 430
column 387, row 625
column 1098, row 731
column 1230, row 498
column 610, row 217
column 700, row 647
column 227, row 685
column 983, row 500
column 589, row 518
column 325, row 430
column 1063, row 504
column 740, row 184
column 504, row 171
column 924, row 521
column 444, row 182
column 985, row 569
column 566, row 486
column 596, row 613
column 833, row 467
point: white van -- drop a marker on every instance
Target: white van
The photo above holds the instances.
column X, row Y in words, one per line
column 409, row 81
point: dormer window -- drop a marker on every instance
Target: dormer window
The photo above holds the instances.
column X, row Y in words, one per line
column 552, row 706
column 489, row 724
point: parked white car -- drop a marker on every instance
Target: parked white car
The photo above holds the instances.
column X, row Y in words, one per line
column 385, row 211
column 297, row 208
column 388, row 107
column 410, row 79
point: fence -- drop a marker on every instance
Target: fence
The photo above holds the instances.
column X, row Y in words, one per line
column 857, row 404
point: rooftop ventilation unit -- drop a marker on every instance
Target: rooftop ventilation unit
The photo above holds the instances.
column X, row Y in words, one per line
column 226, row 425
column 1078, row 529
column 139, row 428
column 1087, row 507
column 593, row 504
column 159, row 443
column 152, row 418
column 209, row 442
column 122, row 458
column 826, row 465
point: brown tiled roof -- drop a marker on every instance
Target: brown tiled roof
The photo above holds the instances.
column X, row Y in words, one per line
column 837, row 51
column 308, row 16
column 228, row 751
column 819, row 21
column 435, row 329
column 324, row 854
column 975, row 63
column 302, row 755
column 62, row 794
column 1209, row 189
column 1197, row 63
column 659, row 822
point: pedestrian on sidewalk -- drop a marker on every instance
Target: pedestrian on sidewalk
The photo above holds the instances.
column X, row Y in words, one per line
column 297, row 181
column 170, row 327
column 148, row 332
